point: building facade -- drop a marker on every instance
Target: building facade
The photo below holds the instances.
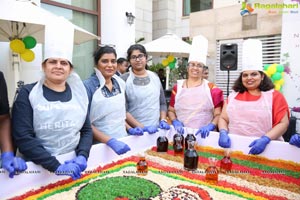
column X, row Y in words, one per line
column 218, row 20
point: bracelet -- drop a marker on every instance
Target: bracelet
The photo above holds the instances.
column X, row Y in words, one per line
column 164, row 120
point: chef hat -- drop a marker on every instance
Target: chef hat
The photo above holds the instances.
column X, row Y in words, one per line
column 59, row 37
column 252, row 55
column 199, row 49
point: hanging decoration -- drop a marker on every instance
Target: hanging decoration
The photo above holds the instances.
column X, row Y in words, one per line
column 29, row 42
column 276, row 73
column 23, row 46
column 169, row 61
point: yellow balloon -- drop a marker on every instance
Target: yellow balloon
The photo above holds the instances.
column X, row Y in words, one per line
column 28, row 55
column 280, row 82
column 165, row 62
column 272, row 69
column 277, row 86
column 170, row 58
column 17, row 46
column 267, row 73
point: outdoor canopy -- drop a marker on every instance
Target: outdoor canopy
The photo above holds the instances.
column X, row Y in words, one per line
column 19, row 19
column 169, row 44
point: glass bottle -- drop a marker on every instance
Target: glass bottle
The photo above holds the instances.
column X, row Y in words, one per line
column 189, row 137
column 178, row 142
column 226, row 162
column 162, row 142
column 142, row 166
column 211, row 173
column 190, row 156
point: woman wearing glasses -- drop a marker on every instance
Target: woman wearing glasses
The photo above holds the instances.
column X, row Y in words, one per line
column 195, row 102
column 146, row 103
column 254, row 108
column 106, row 93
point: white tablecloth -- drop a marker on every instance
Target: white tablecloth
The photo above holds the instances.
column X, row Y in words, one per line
column 35, row 176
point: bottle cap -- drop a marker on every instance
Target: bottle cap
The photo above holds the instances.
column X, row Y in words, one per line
column 227, row 151
column 141, row 154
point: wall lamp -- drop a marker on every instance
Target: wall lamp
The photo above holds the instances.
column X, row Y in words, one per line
column 130, row 18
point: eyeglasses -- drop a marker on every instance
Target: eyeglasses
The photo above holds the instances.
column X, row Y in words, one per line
column 107, row 45
column 195, row 65
column 140, row 56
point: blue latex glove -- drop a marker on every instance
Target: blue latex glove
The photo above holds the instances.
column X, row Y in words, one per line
column 70, row 169
column 164, row 125
column 12, row 164
column 136, row 131
column 295, row 140
column 204, row 131
column 259, row 145
column 178, row 125
column 118, row 146
column 80, row 161
column 224, row 139
column 150, row 129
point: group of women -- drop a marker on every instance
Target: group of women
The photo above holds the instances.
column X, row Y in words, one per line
column 60, row 113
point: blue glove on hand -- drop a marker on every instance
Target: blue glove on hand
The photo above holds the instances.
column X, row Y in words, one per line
column 178, row 125
column 150, row 129
column 118, row 146
column 224, row 139
column 12, row 164
column 80, row 161
column 259, row 145
column 295, row 140
column 136, row 131
column 164, row 125
column 204, row 131
column 70, row 169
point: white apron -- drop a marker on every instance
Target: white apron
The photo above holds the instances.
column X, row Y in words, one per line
column 144, row 100
column 108, row 114
column 194, row 106
column 57, row 124
column 250, row 118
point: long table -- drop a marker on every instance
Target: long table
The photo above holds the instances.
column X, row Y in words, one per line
column 35, row 176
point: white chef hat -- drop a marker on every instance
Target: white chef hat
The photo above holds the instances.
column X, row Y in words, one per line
column 252, row 55
column 59, row 37
column 199, row 49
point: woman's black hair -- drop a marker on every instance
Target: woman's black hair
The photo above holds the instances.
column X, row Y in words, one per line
column 121, row 60
column 101, row 51
column 139, row 47
column 265, row 85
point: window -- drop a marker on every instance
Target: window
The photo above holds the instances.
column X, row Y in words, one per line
column 190, row 6
column 86, row 18
column 85, row 4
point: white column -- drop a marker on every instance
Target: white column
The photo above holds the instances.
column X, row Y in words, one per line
column 114, row 27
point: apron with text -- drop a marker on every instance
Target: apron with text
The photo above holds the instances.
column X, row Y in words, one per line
column 57, row 124
column 194, row 106
column 108, row 114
